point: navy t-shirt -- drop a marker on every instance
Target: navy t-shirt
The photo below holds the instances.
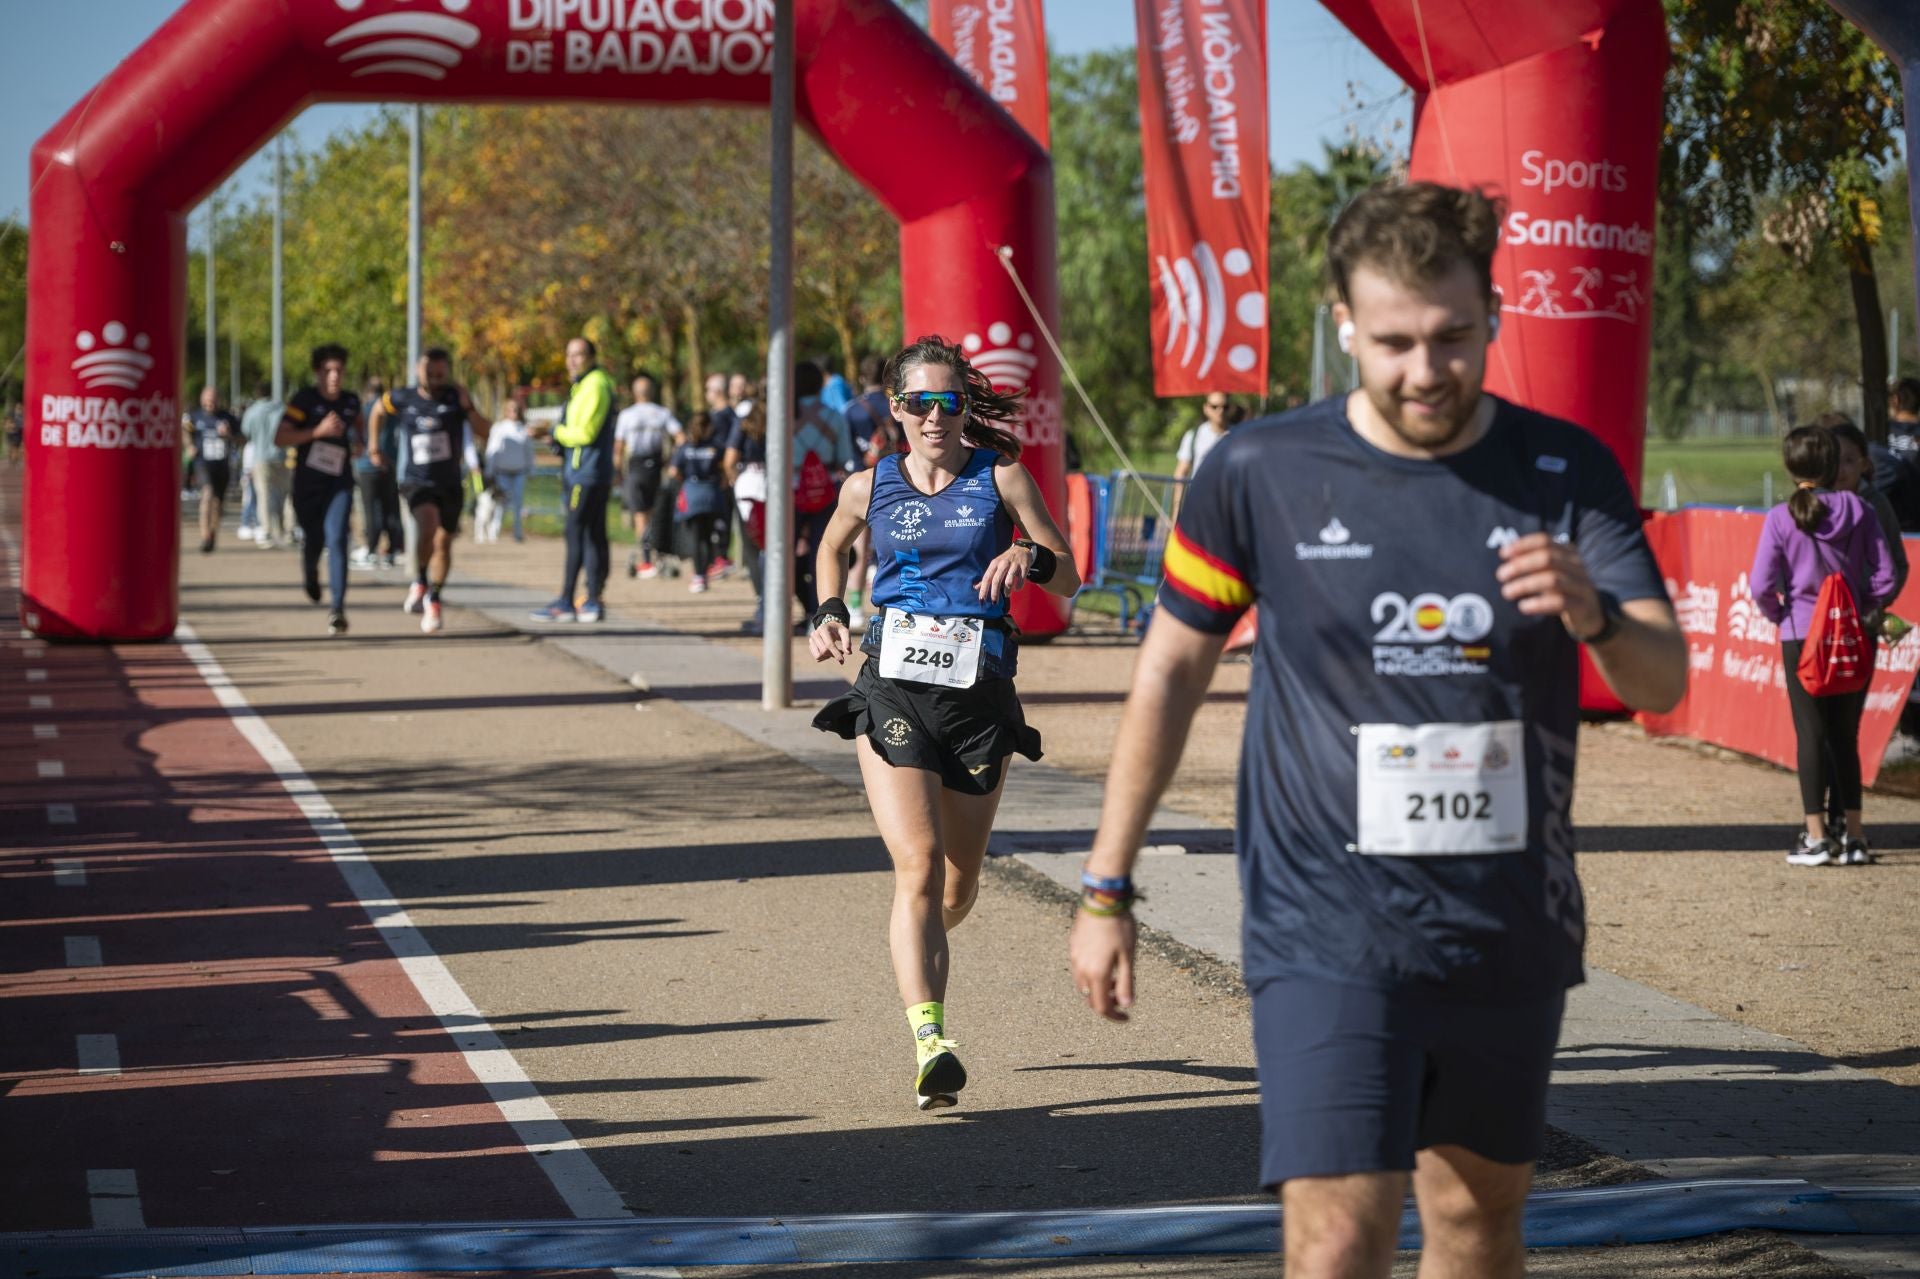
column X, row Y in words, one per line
column 323, row 464
column 209, row 442
column 430, row 442
column 698, row 466
column 1379, row 607
column 931, row 549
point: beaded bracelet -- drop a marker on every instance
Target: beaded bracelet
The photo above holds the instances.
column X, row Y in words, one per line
column 1106, row 883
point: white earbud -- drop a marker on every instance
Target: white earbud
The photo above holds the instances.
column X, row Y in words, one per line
column 1344, row 335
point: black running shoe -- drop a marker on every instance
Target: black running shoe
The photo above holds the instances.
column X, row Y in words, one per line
column 313, row 582
column 336, row 623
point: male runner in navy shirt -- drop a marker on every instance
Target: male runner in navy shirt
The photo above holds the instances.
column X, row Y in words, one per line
column 1431, row 560
column 214, row 436
column 430, row 414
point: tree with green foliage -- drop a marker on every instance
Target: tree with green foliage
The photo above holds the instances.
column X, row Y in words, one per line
column 1785, row 105
column 13, row 308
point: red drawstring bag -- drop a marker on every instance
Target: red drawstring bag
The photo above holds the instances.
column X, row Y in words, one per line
column 814, row 492
column 1835, row 658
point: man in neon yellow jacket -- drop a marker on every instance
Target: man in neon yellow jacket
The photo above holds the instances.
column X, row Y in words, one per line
column 585, row 432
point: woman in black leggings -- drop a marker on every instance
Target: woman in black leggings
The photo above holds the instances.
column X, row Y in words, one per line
column 1815, row 533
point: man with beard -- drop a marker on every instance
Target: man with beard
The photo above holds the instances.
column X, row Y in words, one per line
column 1429, row 561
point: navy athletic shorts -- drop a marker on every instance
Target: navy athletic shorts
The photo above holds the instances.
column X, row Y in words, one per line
column 449, row 498
column 1354, row 1079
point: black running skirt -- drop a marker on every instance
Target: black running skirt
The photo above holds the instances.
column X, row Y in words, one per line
column 963, row 734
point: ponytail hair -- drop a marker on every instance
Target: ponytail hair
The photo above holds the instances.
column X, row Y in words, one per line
column 1812, row 457
column 989, row 413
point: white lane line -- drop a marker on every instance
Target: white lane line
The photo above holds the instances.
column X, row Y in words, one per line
column 39, row 702
column 33, row 651
column 45, row 732
column 113, row 1195
column 98, row 1054
column 68, row 873
column 61, row 815
column 36, row 675
column 83, row 952
column 51, row 768
column 582, row 1186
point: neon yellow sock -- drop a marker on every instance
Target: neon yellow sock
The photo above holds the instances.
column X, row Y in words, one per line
column 928, row 1023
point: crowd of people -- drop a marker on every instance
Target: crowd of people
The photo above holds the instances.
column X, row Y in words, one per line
column 402, row 465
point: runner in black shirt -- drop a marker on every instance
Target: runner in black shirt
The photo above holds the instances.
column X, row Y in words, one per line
column 1429, row 560
column 322, row 424
column 430, row 414
column 215, row 434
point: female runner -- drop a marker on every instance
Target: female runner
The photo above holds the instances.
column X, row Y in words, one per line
column 933, row 713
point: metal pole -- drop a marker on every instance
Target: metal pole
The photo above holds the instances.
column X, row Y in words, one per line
column 414, row 125
column 212, row 378
column 233, row 364
column 776, row 589
column 1893, row 342
column 415, row 120
column 279, row 297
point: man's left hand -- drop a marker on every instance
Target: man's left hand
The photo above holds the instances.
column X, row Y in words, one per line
column 1544, row 577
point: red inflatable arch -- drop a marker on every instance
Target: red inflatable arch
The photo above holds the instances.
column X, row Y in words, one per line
column 114, row 179
column 1556, row 105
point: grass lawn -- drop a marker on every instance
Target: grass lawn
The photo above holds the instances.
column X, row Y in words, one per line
column 1730, row 472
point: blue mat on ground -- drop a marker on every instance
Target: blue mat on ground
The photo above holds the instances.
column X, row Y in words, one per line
column 1644, row 1212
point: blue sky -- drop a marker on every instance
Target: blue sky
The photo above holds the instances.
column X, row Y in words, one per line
column 49, row 60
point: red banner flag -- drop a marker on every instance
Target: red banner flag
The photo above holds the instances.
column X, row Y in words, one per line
column 1002, row 44
column 1203, row 147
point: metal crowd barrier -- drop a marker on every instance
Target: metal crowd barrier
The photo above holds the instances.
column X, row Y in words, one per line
column 1130, row 540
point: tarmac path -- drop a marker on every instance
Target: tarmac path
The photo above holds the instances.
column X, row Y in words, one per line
column 675, row 932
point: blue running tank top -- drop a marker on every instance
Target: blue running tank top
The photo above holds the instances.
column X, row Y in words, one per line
column 930, row 549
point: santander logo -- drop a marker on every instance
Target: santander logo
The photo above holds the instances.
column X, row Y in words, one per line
column 115, row 364
column 405, row 42
column 1195, row 289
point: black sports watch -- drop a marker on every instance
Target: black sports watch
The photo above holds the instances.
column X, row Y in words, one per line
column 1611, row 615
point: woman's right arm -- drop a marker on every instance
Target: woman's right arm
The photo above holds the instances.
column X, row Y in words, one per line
column 833, row 638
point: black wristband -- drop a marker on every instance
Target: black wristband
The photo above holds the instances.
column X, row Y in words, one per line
column 1044, row 564
column 1610, row 615
column 834, row 609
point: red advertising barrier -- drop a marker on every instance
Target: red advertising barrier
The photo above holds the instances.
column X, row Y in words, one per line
column 1002, row 44
column 1736, row 683
column 112, row 182
column 1203, row 149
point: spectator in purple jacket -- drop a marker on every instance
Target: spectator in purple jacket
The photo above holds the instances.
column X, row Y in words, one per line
column 1816, row 532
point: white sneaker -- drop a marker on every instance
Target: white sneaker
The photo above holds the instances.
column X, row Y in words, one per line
column 1810, row 852
column 697, row 585
column 416, row 598
column 648, row 571
column 1856, row 853
column 430, row 620
column 246, row 532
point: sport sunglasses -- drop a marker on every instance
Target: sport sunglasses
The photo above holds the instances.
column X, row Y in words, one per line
column 922, row 403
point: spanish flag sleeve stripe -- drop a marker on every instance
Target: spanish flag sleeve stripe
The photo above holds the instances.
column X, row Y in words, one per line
column 1205, row 578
